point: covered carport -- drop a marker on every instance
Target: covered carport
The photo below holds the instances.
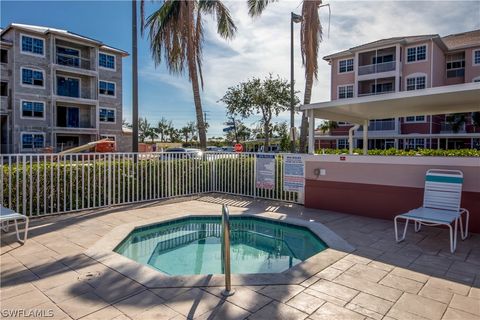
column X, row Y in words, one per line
column 359, row 111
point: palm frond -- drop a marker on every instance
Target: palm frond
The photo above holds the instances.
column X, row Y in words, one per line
column 256, row 7
column 310, row 36
column 226, row 27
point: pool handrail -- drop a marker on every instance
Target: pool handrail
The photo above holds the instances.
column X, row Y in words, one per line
column 226, row 251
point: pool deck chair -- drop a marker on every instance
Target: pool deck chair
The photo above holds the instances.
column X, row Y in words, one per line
column 7, row 215
column 441, row 205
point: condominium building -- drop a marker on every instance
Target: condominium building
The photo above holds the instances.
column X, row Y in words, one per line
column 58, row 89
column 404, row 64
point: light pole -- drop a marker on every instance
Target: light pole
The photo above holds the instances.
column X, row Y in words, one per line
column 134, row 78
column 294, row 18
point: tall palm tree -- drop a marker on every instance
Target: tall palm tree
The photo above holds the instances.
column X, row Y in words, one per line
column 310, row 38
column 176, row 35
column 162, row 128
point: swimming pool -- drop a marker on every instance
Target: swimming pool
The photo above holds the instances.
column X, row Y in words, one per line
column 191, row 245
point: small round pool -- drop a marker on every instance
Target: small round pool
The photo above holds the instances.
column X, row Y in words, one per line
column 192, row 245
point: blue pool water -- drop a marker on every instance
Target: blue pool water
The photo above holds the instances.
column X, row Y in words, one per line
column 192, row 245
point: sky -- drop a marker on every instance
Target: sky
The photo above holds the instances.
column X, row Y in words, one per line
column 261, row 45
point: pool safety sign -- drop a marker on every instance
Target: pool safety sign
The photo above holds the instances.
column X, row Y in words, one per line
column 293, row 171
column 265, row 171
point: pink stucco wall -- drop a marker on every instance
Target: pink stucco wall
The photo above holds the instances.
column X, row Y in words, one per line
column 471, row 71
column 439, row 67
column 409, row 68
column 340, row 78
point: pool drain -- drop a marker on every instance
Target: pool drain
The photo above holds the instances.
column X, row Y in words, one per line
column 88, row 276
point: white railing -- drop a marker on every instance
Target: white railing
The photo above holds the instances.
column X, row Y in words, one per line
column 44, row 184
column 377, row 68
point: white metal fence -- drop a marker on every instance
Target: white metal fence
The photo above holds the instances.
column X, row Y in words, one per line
column 43, row 184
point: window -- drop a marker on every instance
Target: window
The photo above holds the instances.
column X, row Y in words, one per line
column 107, row 115
column 109, row 137
column 345, row 92
column 417, row 53
column 33, row 141
column 342, row 144
column 345, row 65
column 4, row 56
column 32, row 77
column 106, row 61
column 4, row 89
column 68, row 117
column 68, row 57
column 415, row 119
column 382, row 87
column 32, row 109
column 415, row 144
column 106, row 88
column 456, row 65
column 31, row 45
column 476, row 57
column 382, row 59
column 68, row 87
column 416, row 83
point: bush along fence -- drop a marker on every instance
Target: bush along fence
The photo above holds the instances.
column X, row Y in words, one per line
column 397, row 152
column 43, row 184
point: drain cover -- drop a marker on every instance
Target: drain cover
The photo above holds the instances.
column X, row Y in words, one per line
column 87, row 276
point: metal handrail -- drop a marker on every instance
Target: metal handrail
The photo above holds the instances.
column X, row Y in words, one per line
column 226, row 252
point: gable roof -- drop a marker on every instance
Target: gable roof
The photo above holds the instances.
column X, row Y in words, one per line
column 48, row 30
column 462, row 40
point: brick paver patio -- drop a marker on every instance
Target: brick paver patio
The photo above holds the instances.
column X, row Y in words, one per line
column 416, row 279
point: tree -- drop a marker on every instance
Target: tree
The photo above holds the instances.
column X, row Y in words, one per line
column 162, row 128
column 176, row 35
column 282, row 132
column 457, row 120
column 310, row 38
column 268, row 98
column 185, row 131
column 240, row 132
column 144, row 129
column 327, row 126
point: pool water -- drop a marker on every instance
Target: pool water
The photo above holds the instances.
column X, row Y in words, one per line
column 192, row 245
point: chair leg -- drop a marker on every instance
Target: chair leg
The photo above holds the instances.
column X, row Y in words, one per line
column 25, row 233
column 453, row 236
column 5, row 226
column 404, row 230
column 418, row 225
column 464, row 232
column 26, row 230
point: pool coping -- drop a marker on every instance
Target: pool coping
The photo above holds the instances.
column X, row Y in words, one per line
column 102, row 251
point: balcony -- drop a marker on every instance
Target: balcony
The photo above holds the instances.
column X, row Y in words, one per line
column 374, row 93
column 73, row 61
column 381, row 125
column 377, row 68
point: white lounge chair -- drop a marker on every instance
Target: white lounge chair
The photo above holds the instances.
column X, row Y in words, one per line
column 7, row 215
column 441, row 205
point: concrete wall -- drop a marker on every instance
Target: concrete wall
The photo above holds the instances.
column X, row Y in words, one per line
column 383, row 187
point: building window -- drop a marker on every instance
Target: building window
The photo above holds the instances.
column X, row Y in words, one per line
column 32, row 45
column 68, row 87
column 345, row 92
column 106, row 61
column 32, row 77
column 32, row 109
column 32, row 141
column 382, row 87
column 382, row 59
column 4, row 89
column 416, row 83
column 107, row 115
column 417, row 53
column 476, row 57
column 456, row 65
column 342, row 144
column 4, row 56
column 345, row 65
column 415, row 119
column 106, row 88
column 415, row 143
column 109, row 137
column 68, row 57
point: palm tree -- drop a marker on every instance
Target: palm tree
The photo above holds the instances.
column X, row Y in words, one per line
column 144, row 129
column 176, row 35
column 310, row 38
column 185, row 131
column 162, row 128
column 327, row 126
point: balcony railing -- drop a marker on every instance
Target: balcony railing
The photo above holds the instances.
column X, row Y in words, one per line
column 73, row 61
column 376, row 68
column 374, row 93
column 385, row 125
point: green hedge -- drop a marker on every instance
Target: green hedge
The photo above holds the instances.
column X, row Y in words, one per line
column 397, row 152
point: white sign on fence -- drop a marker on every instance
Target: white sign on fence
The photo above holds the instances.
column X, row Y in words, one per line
column 293, row 169
column 265, row 171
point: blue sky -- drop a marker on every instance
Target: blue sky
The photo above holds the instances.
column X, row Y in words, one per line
column 260, row 47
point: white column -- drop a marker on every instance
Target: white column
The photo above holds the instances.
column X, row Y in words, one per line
column 311, row 132
column 365, row 137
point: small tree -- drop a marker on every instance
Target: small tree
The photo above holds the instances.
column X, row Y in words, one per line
column 162, row 128
column 144, row 129
column 267, row 98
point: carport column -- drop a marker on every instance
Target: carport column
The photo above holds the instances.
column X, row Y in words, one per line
column 365, row 137
column 311, row 132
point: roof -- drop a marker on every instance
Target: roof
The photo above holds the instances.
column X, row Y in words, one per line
column 47, row 30
column 438, row 100
column 462, row 40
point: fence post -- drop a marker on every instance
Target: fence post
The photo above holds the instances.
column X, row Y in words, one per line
column 109, row 179
column 24, row 186
column 254, row 176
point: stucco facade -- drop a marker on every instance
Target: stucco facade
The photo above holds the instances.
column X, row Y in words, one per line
column 401, row 64
column 54, row 99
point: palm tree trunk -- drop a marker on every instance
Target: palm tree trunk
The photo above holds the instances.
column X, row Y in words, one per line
column 304, row 126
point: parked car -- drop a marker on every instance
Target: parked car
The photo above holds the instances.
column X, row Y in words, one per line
column 214, row 149
column 228, row 149
column 183, row 153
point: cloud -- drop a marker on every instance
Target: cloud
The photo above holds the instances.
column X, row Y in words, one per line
column 262, row 46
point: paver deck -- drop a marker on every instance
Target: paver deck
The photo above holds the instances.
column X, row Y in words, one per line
column 415, row 279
